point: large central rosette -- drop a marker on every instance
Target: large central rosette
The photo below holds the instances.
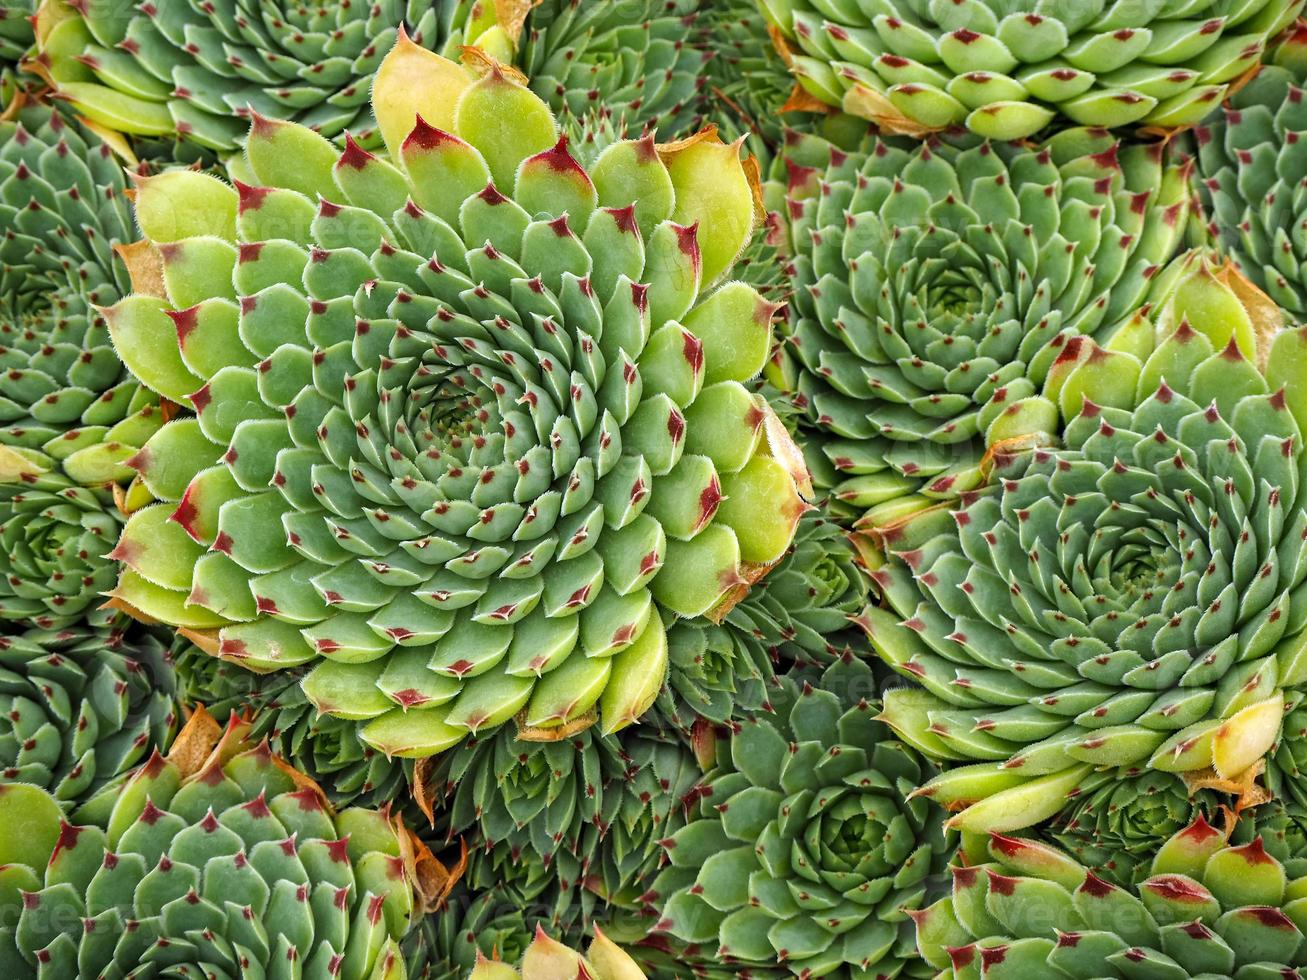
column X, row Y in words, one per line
column 469, row 425
column 1132, row 597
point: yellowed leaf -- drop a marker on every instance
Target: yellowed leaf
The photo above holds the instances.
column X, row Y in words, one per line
column 511, row 16
column 864, row 101
column 1244, row 787
column 554, row 733
column 868, row 554
column 801, row 100
column 18, row 468
column 195, row 743
column 206, row 640
column 1267, row 317
column 481, row 63
column 782, row 448
column 115, row 140
column 113, row 601
column 753, row 174
column 782, row 44
column 144, row 266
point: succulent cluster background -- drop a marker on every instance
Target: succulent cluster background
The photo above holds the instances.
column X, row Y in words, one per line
column 618, row 489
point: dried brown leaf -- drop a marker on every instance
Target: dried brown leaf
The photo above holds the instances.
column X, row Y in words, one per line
column 750, row 574
column 482, row 63
column 753, row 174
column 422, row 788
column 668, row 151
column 511, row 16
column 1244, row 787
column 801, row 100
column 782, row 44
column 431, row 878
column 204, row 639
column 195, row 743
column 116, row 603
column 1267, row 317
column 144, row 266
column 860, row 100
column 554, row 733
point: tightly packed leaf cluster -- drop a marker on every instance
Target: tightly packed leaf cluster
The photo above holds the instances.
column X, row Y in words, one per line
column 1007, row 70
column 653, row 489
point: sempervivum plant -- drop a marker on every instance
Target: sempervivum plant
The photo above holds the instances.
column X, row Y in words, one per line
column 1286, row 768
column 1209, row 909
column 1116, row 824
column 15, row 31
column 1129, row 597
column 1282, row 826
column 62, row 210
column 575, row 818
column 1251, row 177
column 804, row 847
column 747, row 84
column 470, row 429
column 935, row 283
column 1006, row 70
column 81, row 706
column 56, row 538
column 805, row 610
column 638, row 61
column 222, row 862
column 193, row 70
column 548, row 959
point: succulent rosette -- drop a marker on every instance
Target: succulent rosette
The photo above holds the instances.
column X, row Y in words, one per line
column 716, row 673
column 63, row 210
column 1282, row 826
column 804, row 848
column 1208, row 909
column 1008, row 70
column 1128, row 597
column 1287, row 768
column 80, row 707
column 637, row 61
column 468, row 473
column 806, row 610
column 197, row 70
column 1251, row 177
column 581, row 814
column 748, row 85
column 219, row 861
column 15, row 31
column 1116, row 823
column 55, row 541
column 935, row 283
